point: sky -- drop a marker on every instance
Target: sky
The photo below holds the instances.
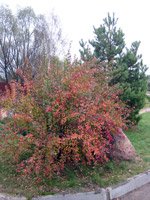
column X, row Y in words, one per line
column 79, row 16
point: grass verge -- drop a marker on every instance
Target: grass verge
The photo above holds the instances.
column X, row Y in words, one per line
column 141, row 137
column 83, row 178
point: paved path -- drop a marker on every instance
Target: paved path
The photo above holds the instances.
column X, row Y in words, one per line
column 142, row 193
column 144, row 110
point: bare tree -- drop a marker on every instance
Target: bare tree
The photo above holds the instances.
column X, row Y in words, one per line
column 27, row 39
column 6, row 41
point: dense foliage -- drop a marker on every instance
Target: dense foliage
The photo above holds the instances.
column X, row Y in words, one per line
column 66, row 118
column 123, row 65
column 148, row 82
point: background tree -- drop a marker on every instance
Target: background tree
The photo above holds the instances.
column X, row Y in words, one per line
column 27, row 39
column 123, row 65
column 7, row 23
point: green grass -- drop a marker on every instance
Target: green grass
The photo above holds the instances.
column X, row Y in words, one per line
column 84, row 178
column 141, row 137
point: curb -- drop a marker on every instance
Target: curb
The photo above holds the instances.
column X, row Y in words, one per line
column 101, row 195
column 8, row 197
column 130, row 185
column 109, row 193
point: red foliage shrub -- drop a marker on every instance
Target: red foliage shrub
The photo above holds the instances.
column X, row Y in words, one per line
column 67, row 117
column 3, row 86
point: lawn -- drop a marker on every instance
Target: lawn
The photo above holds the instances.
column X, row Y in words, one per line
column 141, row 137
column 84, row 178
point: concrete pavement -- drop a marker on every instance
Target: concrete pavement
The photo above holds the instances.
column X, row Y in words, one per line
column 142, row 193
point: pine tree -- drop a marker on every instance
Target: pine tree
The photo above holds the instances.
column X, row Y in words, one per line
column 85, row 52
column 134, row 81
column 109, row 41
column 123, row 65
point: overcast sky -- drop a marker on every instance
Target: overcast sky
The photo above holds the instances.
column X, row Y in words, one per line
column 79, row 16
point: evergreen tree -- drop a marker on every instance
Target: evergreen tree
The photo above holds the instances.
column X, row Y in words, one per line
column 132, row 79
column 109, row 41
column 85, row 52
column 148, row 77
column 124, row 66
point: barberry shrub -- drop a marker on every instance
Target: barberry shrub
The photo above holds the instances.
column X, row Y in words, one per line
column 66, row 117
